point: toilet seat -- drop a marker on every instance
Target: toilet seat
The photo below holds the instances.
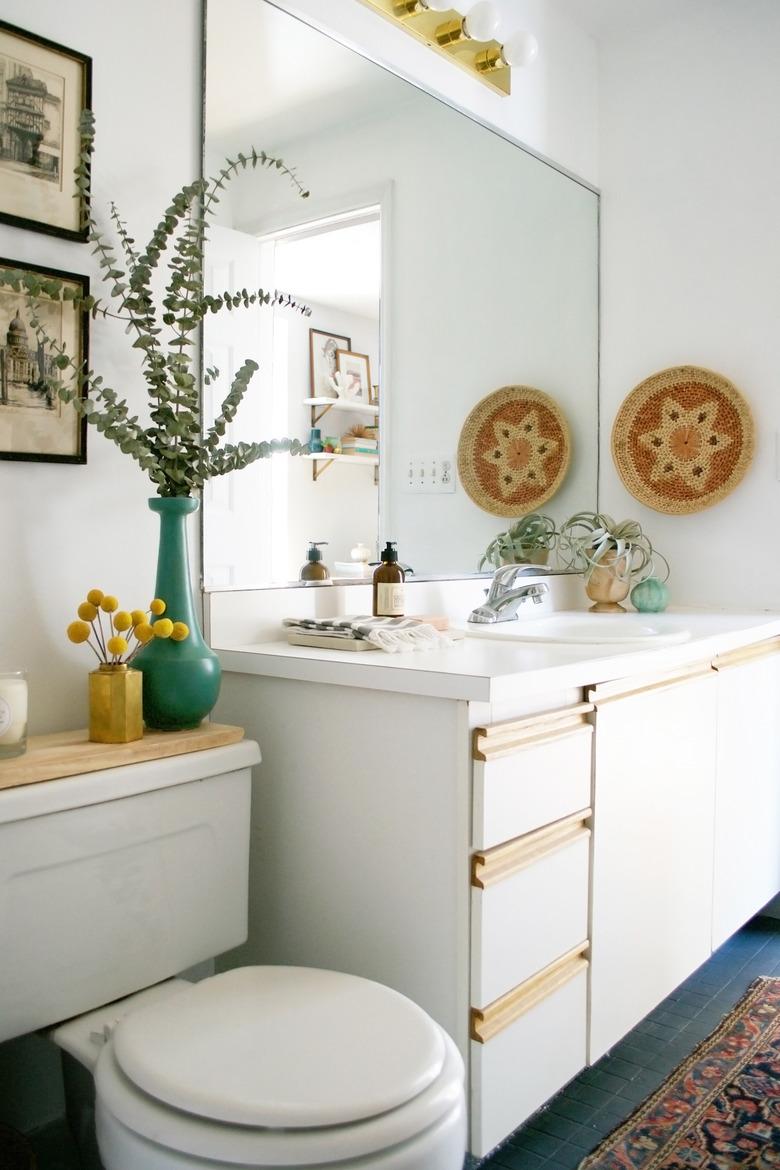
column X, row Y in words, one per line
column 279, row 1065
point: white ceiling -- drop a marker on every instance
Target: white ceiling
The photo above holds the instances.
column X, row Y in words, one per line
column 265, row 96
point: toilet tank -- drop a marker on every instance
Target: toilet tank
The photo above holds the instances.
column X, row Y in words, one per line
column 111, row 881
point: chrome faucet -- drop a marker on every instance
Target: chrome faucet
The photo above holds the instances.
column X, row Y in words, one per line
column 504, row 597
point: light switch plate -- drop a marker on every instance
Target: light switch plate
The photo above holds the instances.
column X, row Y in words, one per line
column 430, row 474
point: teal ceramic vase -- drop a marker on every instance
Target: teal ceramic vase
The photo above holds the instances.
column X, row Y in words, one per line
column 650, row 596
column 181, row 679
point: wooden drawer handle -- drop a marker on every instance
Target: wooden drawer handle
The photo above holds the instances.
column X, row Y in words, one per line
column 746, row 654
column 493, row 865
column 498, row 1015
column 624, row 688
column 501, row 739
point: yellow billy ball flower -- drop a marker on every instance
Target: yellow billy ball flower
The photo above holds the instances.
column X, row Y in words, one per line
column 180, row 631
column 78, row 631
column 122, row 620
column 109, row 604
column 163, row 628
column 116, row 645
column 157, row 606
column 95, row 596
column 87, row 611
column 138, row 617
column 143, row 632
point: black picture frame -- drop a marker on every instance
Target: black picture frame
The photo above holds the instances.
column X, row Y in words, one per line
column 43, row 89
column 39, row 427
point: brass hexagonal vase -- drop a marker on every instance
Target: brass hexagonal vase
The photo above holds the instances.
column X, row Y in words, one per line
column 115, row 704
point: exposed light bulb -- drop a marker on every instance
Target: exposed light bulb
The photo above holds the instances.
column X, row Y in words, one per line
column 482, row 21
column 438, row 5
column 520, row 50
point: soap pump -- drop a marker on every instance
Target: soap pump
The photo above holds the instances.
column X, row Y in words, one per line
column 388, row 584
column 314, row 572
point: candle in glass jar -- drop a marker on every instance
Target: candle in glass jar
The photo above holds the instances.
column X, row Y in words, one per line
column 13, row 713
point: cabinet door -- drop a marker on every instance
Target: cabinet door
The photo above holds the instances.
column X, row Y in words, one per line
column 747, row 804
column 652, row 844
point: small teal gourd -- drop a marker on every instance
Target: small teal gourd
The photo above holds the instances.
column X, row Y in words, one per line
column 650, row 596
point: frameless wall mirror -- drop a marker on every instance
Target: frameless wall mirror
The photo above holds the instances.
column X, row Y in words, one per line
column 440, row 262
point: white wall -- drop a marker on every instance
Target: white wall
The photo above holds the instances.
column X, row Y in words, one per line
column 690, row 168
column 66, row 528
column 553, row 105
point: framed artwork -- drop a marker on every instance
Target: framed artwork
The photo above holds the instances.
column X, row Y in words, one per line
column 323, row 348
column 35, row 424
column 356, row 374
column 43, row 89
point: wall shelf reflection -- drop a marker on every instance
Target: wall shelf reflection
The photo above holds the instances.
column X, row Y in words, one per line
column 338, row 404
column 326, row 458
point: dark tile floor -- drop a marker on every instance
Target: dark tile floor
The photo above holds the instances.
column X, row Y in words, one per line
column 581, row 1115
column 577, row 1119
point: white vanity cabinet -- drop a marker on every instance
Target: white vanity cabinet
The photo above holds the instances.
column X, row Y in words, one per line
column 537, row 859
column 654, row 799
column 530, row 874
column 747, row 803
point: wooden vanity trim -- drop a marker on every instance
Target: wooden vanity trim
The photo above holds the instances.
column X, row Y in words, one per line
column 623, row 688
column 746, row 654
column 494, row 865
column 488, row 1022
column 501, row 739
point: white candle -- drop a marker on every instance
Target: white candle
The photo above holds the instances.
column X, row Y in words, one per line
column 13, row 713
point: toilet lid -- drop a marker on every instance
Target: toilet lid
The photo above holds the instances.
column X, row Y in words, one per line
column 281, row 1047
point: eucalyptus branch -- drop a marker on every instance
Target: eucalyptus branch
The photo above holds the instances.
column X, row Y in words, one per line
column 171, row 448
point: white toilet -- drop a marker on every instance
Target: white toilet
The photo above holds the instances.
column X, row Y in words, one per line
column 115, row 881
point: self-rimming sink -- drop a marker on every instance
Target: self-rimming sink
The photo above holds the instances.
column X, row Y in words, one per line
column 571, row 627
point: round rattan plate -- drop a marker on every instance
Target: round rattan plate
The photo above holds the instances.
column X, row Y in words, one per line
column 683, row 439
column 514, row 451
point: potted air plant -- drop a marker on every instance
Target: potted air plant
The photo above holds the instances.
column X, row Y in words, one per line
column 529, row 541
column 611, row 555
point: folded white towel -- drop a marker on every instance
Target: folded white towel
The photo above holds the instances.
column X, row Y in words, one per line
column 388, row 633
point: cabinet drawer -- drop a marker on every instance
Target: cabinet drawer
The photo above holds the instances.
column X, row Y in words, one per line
column 529, row 904
column 530, row 772
column 525, row 1047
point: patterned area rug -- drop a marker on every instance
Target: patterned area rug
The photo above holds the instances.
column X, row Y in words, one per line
column 720, row 1109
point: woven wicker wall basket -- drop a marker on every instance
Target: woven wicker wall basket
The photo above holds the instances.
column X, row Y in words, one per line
column 683, row 439
column 514, row 451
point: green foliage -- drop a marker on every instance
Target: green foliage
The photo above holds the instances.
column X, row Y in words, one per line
column 171, row 449
column 529, row 540
column 586, row 539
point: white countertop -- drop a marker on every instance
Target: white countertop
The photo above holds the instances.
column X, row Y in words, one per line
column 491, row 670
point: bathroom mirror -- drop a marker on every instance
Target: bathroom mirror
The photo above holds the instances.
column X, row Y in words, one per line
column 440, row 260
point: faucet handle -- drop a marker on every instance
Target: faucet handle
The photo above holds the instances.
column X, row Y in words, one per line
column 503, row 579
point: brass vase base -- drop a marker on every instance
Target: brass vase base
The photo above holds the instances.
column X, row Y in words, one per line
column 115, row 704
column 607, row 607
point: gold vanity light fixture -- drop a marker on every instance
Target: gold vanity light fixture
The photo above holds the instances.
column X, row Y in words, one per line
column 470, row 39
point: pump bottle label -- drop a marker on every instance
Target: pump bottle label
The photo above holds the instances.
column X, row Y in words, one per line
column 390, row 599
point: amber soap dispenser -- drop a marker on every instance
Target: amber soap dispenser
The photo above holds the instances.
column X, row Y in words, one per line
column 389, row 584
column 315, row 572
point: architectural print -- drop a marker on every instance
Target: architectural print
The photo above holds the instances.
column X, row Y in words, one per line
column 31, row 103
column 35, row 423
column 23, row 366
column 44, row 88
